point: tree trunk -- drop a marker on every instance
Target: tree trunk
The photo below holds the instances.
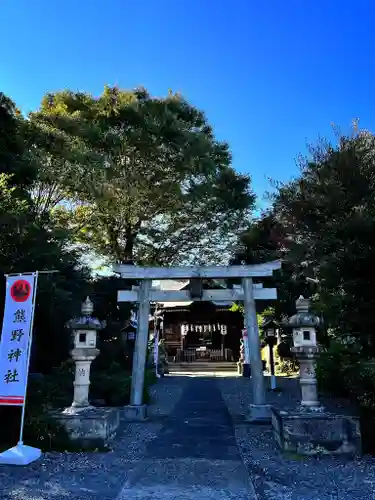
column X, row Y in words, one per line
column 123, row 255
column 127, row 254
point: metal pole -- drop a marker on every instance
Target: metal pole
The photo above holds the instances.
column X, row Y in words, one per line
column 259, row 411
column 20, row 441
column 31, row 273
column 140, row 351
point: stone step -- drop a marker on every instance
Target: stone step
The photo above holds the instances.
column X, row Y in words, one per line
column 203, row 366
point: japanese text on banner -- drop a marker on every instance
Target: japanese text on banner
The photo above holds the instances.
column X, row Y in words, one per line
column 15, row 338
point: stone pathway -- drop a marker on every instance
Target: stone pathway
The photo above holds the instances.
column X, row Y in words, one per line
column 195, row 455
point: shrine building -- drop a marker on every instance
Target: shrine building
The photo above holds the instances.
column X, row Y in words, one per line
column 196, row 330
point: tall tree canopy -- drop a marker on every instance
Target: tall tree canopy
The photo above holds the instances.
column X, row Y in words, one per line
column 14, row 159
column 328, row 218
column 147, row 179
column 264, row 241
column 30, row 242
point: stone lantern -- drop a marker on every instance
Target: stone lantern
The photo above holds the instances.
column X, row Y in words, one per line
column 308, row 429
column 86, row 425
column 305, row 348
column 85, row 330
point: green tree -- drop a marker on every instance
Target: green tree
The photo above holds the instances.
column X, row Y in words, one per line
column 30, row 242
column 14, row 159
column 147, row 179
column 328, row 216
column 264, row 241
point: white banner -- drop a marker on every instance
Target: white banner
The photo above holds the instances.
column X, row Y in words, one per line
column 156, row 349
column 15, row 339
column 246, row 347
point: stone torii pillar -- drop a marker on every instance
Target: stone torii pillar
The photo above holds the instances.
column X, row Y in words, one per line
column 259, row 411
column 141, row 341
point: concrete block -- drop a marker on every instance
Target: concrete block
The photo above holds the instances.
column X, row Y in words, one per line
column 258, row 414
column 308, row 433
column 91, row 427
column 135, row 413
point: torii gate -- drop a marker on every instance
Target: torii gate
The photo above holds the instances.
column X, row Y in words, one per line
column 249, row 293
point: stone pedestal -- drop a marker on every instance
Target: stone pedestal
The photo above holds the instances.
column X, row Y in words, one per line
column 90, row 427
column 306, row 356
column 82, row 357
column 135, row 413
column 258, row 414
column 314, row 433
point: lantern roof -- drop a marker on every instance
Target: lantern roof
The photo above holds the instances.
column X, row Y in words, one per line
column 86, row 321
column 303, row 317
column 270, row 323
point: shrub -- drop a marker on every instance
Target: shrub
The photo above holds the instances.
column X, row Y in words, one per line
column 286, row 363
column 111, row 386
column 287, row 366
column 283, row 350
column 360, row 379
column 337, row 369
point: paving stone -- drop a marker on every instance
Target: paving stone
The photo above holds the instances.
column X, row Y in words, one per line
column 195, row 455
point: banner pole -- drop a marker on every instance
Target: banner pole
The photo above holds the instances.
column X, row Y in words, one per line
column 36, row 275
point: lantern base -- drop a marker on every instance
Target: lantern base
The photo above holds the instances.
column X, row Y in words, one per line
column 20, row 455
column 91, row 427
column 314, row 433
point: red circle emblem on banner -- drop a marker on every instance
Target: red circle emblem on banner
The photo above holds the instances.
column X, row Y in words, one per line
column 20, row 291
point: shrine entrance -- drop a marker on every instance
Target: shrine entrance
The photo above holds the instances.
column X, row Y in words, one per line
column 196, row 330
column 248, row 293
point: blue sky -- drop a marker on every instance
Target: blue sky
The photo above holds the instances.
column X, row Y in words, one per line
column 270, row 75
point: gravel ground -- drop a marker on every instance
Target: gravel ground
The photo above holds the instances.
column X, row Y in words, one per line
column 99, row 476
column 276, row 477
column 91, row 476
